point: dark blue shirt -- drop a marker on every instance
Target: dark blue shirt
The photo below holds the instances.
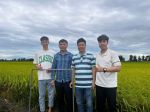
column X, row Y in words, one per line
column 62, row 61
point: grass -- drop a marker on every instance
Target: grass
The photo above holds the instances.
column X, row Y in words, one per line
column 133, row 85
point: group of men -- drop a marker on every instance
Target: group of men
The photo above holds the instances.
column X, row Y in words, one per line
column 55, row 72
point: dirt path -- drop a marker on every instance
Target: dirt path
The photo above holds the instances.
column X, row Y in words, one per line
column 6, row 106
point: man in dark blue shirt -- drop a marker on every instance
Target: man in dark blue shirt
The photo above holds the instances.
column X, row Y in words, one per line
column 62, row 78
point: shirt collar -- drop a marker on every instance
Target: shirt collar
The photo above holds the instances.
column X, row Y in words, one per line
column 64, row 53
column 82, row 54
column 104, row 54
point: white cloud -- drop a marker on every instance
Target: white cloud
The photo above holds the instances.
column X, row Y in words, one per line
column 24, row 22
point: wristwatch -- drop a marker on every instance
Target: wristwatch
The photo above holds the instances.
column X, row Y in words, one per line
column 104, row 70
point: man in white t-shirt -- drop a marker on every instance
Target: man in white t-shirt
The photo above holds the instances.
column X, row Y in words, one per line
column 107, row 66
column 43, row 61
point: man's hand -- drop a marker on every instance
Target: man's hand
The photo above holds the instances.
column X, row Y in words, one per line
column 99, row 68
column 48, row 70
column 53, row 83
column 39, row 67
column 93, row 85
column 71, row 84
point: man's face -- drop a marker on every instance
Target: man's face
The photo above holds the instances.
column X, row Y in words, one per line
column 103, row 44
column 81, row 46
column 63, row 46
column 44, row 42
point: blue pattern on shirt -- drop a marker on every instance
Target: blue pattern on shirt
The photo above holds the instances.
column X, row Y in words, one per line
column 83, row 65
column 62, row 62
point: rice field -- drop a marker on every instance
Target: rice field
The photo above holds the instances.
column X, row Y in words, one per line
column 133, row 85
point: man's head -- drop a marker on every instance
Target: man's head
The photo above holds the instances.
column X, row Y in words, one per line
column 81, row 43
column 103, row 41
column 44, row 41
column 44, row 38
column 103, row 37
column 63, row 44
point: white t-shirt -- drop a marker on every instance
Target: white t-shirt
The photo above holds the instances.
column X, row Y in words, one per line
column 45, row 60
column 108, row 59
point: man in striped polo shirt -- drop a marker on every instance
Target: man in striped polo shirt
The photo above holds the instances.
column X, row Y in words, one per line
column 83, row 64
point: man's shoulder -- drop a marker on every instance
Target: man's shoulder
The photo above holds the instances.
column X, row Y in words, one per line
column 89, row 54
column 39, row 52
column 69, row 53
column 50, row 52
column 112, row 52
column 75, row 55
column 57, row 53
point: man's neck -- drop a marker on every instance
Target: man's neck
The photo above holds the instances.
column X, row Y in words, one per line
column 63, row 51
column 82, row 52
column 103, row 51
column 45, row 48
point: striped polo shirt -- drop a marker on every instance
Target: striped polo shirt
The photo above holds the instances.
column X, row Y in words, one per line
column 83, row 65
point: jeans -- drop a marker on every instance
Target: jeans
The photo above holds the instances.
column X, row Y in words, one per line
column 64, row 96
column 42, row 92
column 84, row 99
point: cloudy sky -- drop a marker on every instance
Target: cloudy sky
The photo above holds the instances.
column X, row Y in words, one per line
column 23, row 22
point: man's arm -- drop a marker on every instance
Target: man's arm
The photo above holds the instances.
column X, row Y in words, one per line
column 53, row 72
column 108, row 69
column 35, row 62
column 73, row 77
column 113, row 69
column 94, row 76
column 38, row 66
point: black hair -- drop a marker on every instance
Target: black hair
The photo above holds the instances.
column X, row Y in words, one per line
column 63, row 40
column 81, row 40
column 103, row 37
column 44, row 38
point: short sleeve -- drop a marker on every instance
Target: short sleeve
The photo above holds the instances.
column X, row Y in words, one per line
column 93, row 61
column 97, row 60
column 35, row 61
column 72, row 64
column 115, row 59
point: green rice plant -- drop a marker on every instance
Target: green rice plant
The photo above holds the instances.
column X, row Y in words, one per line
column 133, row 85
